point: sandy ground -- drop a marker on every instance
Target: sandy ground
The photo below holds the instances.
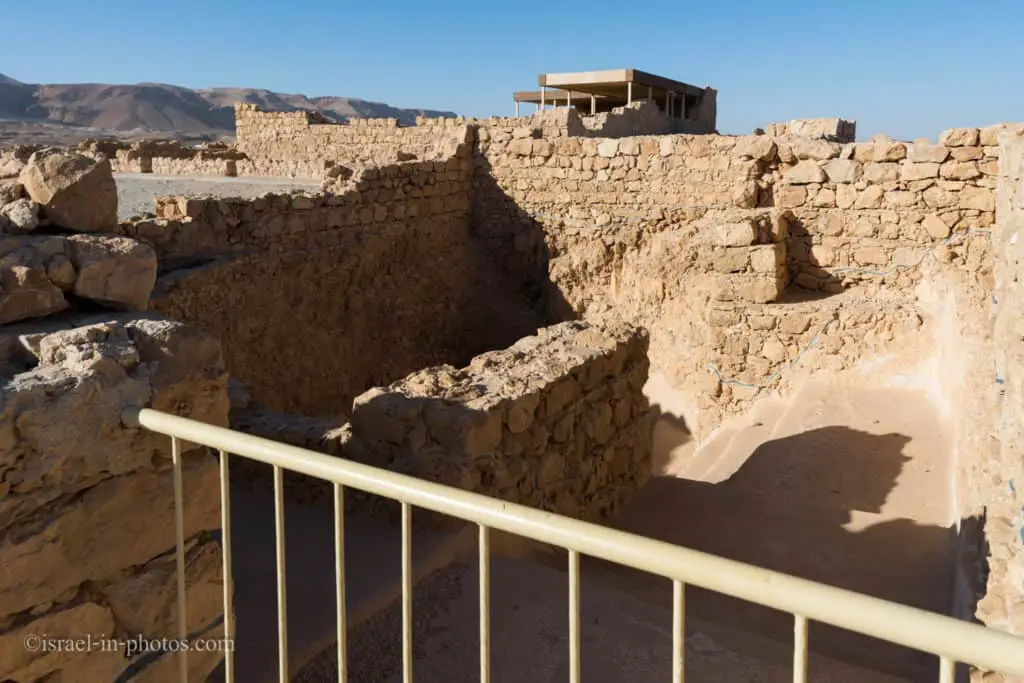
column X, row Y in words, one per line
column 136, row 191
column 843, row 483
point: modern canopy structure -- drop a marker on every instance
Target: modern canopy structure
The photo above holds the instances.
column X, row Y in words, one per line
column 594, row 92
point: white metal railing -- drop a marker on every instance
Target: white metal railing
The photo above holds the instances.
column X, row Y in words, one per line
column 949, row 639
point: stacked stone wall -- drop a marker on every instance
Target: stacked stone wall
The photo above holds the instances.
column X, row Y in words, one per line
column 557, row 421
column 318, row 297
column 300, row 137
column 1000, row 478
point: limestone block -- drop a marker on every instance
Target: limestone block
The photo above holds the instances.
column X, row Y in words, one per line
column 19, row 217
column 10, row 191
column 881, row 172
column 808, row 148
column 608, row 148
column 731, row 260
column 959, row 137
column 978, row 198
column 761, row 147
column 935, row 226
column 754, row 288
column 790, row 196
column 768, row 258
column 10, row 166
column 871, row 256
column 27, row 292
column 921, row 151
column 870, row 198
column 939, row 198
column 76, row 192
column 918, row 171
column 959, row 170
column 116, row 271
column 843, row 171
column 966, row 153
column 804, row 173
column 740, row 234
column 880, row 151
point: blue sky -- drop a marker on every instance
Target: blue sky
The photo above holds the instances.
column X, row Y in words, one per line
column 909, row 68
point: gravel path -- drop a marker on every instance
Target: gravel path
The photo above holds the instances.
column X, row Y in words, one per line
column 136, row 191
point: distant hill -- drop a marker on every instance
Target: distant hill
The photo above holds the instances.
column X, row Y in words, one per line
column 158, row 110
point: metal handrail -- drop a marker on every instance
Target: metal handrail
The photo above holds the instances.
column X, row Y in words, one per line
column 950, row 639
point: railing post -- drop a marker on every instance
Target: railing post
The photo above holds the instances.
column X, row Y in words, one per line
column 179, row 555
column 485, row 606
column 574, row 617
column 678, row 632
column 282, row 595
column 799, row 648
column 947, row 670
column 339, row 565
column 225, row 549
column 406, row 593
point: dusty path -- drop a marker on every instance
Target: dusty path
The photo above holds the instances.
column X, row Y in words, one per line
column 847, row 485
column 136, row 191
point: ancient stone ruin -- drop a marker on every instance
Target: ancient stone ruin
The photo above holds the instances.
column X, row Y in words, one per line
column 486, row 304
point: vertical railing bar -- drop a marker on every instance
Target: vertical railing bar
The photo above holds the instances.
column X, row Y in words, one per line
column 225, row 544
column 339, row 564
column 678, row 632
column 406, row 593
column 947, row 670
column 574, row 616
column 485, row 605
column 179, row 556
column 282, row 596
column 799, row 648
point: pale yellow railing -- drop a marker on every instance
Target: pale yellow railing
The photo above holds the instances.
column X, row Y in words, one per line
column 949, row 639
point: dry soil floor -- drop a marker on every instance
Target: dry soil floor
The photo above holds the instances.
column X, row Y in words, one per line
column 843, row 484
column 136, row 192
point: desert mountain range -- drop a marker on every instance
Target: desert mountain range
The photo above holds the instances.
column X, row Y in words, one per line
column 61, row 113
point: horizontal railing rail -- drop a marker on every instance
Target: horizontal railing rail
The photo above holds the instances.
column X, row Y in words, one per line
column 950, row 639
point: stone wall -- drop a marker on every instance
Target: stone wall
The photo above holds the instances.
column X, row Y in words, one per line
column 87, row 508
column 304, row 136
column 86, row 502
column 316, row 298
column 557, row 421
column 1001, row 484
column 624, row 223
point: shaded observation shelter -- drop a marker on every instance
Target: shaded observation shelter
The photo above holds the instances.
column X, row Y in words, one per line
column 594, row 92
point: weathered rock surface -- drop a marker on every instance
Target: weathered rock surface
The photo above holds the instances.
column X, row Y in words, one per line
column 556, row 421
column 88, row 371
column 10, row 190
column 116, row 271
column 26, row 291
column 86, row 499
column 19, row 216
column 77, row 192
column 37, row 270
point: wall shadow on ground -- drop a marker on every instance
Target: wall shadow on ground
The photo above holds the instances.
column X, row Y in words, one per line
column 806, row 505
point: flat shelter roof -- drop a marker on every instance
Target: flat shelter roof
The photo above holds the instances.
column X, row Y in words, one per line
column 553, row 96
column 614, row 83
